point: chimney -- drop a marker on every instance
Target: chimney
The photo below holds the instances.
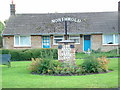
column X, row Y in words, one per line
column 12, row 9
column 119, row 6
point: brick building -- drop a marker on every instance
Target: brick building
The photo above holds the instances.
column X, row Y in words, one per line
column 94, row 30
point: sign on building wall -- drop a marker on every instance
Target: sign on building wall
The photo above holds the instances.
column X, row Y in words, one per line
column 71, row 19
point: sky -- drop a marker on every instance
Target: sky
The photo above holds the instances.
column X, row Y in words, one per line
column 56, row 6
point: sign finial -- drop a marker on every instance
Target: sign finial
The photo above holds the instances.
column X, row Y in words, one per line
column 12, row 1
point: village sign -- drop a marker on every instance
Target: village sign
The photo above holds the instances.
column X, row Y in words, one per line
column 66, row 49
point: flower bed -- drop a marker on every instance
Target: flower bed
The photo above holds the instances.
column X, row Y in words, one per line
column 47, row 66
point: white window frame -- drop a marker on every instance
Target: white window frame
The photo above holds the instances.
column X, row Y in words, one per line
column 76, row 37
column 57, row 38
column 113, row 39
column 19, row 42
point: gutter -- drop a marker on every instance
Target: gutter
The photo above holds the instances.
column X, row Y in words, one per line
column 56, row 33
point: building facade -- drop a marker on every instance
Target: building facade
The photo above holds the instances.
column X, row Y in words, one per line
column 82, row 43
column 97, row 30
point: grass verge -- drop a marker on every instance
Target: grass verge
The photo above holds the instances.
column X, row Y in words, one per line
column 18, row 76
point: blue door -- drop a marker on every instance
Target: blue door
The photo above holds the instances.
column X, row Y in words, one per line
column 87, row 42
column 46, row 41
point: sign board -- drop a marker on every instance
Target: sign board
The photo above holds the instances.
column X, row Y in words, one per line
column 66, row 19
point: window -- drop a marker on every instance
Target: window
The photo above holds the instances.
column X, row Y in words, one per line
column 76, row 39
column 56, row 39
column 22, row 41
column 110, row 39
column 116, row 38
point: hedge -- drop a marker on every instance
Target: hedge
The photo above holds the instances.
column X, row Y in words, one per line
column 27, row 54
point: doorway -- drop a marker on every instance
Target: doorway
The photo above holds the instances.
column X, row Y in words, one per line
column 45, row 41
column 87, row 42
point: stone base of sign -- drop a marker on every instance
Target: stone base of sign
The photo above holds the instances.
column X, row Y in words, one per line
column 66, row 52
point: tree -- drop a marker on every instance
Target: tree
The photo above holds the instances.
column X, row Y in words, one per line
column 1, row 27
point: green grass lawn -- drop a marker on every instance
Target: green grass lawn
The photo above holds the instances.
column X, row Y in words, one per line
column 18, row 76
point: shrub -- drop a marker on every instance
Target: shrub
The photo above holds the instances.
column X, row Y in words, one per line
column 42, row 66
column 103, row 63
column 95, row 65
column 90, row 65
column 46, row 66
column 35, row 64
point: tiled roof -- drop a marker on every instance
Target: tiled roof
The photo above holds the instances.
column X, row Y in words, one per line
column 39, row 24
